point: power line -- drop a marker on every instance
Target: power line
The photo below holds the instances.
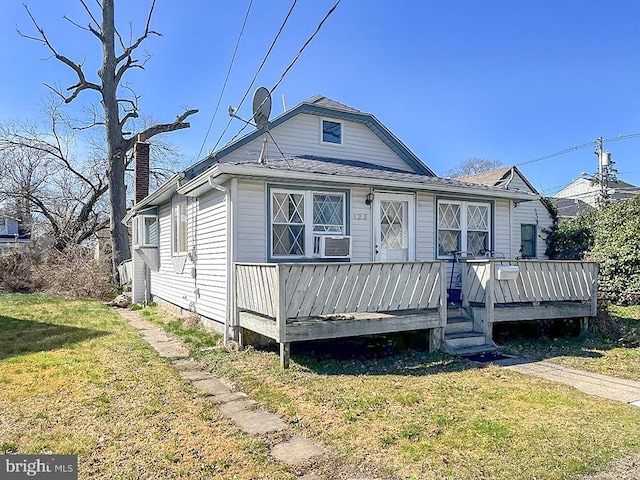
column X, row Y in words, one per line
column 224, row 85
column 290, row 66
column 264, row 60
column 578, row 147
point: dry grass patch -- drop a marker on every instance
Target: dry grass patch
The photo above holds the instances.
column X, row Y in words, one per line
column 617, row 355
column 75, row 378
column 418, row 416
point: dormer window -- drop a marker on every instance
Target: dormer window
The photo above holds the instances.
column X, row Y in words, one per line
column 332, row 132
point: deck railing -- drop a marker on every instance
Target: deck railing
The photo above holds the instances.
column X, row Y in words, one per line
column 269, row 297
column 312, row 290
column 536, row 282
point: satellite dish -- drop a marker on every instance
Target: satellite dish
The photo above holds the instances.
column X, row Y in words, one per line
column 261, row 107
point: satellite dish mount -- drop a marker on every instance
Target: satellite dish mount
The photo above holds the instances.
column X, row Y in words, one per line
column 261, row 112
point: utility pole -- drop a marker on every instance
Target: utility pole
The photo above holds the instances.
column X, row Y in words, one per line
column 605, row 166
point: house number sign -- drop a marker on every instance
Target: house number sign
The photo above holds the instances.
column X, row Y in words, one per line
column 360, row 216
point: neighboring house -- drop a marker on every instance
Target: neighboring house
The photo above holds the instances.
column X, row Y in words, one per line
column 588, row 191
column 529, row 220
column 12, row 237
column 568, row 207
column 331, row 218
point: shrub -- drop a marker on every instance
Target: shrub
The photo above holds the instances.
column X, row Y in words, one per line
column 617, row 248
column 72, row 273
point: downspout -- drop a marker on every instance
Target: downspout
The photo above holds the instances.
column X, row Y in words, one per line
column 230, row 276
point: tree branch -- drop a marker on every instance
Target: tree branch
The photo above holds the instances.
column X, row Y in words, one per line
column 82, row 83
column 154, row 130
column 147, row 32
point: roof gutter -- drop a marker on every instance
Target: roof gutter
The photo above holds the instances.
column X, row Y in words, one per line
column 248, row 171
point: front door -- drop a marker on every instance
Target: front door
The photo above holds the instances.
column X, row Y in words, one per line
column 393, row 227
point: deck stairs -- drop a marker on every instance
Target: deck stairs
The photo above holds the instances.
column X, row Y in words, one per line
column 460, row 336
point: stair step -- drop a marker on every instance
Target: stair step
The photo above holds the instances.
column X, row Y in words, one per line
column 465, row 339
column 458, row 325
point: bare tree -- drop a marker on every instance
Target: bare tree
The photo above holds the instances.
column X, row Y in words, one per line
column 42, row 175
column 119, row 104
column 472, row 166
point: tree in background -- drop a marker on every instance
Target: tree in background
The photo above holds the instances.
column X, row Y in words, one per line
column 119, row 105
column 54, row 193
column 472, row 166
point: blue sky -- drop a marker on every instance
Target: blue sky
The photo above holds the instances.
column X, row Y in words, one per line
column 502, row 80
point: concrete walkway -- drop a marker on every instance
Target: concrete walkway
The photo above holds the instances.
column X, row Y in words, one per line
column 605, row 386
column 295, row 451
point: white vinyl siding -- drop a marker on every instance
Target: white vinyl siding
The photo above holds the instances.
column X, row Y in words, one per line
column 202, row 285
column 361, row 226
column 211, row 260
column 299, row 136
column 531, row 213
column 176, row 288
column 502, row 234
column 425, row 227
column 251, row 218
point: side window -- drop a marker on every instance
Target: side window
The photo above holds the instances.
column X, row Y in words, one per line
column 528, row 241
column 179, row 227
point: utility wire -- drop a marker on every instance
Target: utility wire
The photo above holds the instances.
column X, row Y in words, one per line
column 224, row 85
column 578, row 147
column 264, row 60
column 290, row 66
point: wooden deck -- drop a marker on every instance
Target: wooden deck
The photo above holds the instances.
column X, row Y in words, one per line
column 539, row 290
column 312, row 301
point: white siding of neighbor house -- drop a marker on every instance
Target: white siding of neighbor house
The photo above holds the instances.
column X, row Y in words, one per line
column 301, row 135
column 528, row 213
column 176, row 288
column 532, row 213
column 251, row 218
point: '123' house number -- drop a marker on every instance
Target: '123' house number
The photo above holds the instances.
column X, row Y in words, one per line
column 360, row 216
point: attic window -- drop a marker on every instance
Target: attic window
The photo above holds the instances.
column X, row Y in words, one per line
column 331, row 132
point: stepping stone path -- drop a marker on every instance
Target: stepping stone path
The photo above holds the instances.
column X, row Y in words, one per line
column 296, row 451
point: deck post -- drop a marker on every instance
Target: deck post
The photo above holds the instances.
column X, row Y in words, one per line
column 465, row 285
column 285, row 354
column 281, row 317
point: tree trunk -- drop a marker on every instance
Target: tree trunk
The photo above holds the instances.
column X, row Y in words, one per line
column 115, row 140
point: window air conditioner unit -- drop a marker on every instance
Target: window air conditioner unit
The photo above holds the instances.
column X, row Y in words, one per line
column 330, row 246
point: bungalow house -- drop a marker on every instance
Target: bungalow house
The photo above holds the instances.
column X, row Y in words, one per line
column 340, row 230
column 529, row 220
column 12, row 237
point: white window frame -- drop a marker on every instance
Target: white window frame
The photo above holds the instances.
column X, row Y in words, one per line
column 308, row 221
column 332, row 120
column 176, row 223
column 463, row 224
column 141, row 232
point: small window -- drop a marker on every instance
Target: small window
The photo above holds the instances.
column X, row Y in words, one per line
column 179, row 227
column 528, row 241
column 331, row 132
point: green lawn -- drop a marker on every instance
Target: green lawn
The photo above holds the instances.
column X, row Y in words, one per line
column 416, row 416
column 75, row 378
column 618, row 356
